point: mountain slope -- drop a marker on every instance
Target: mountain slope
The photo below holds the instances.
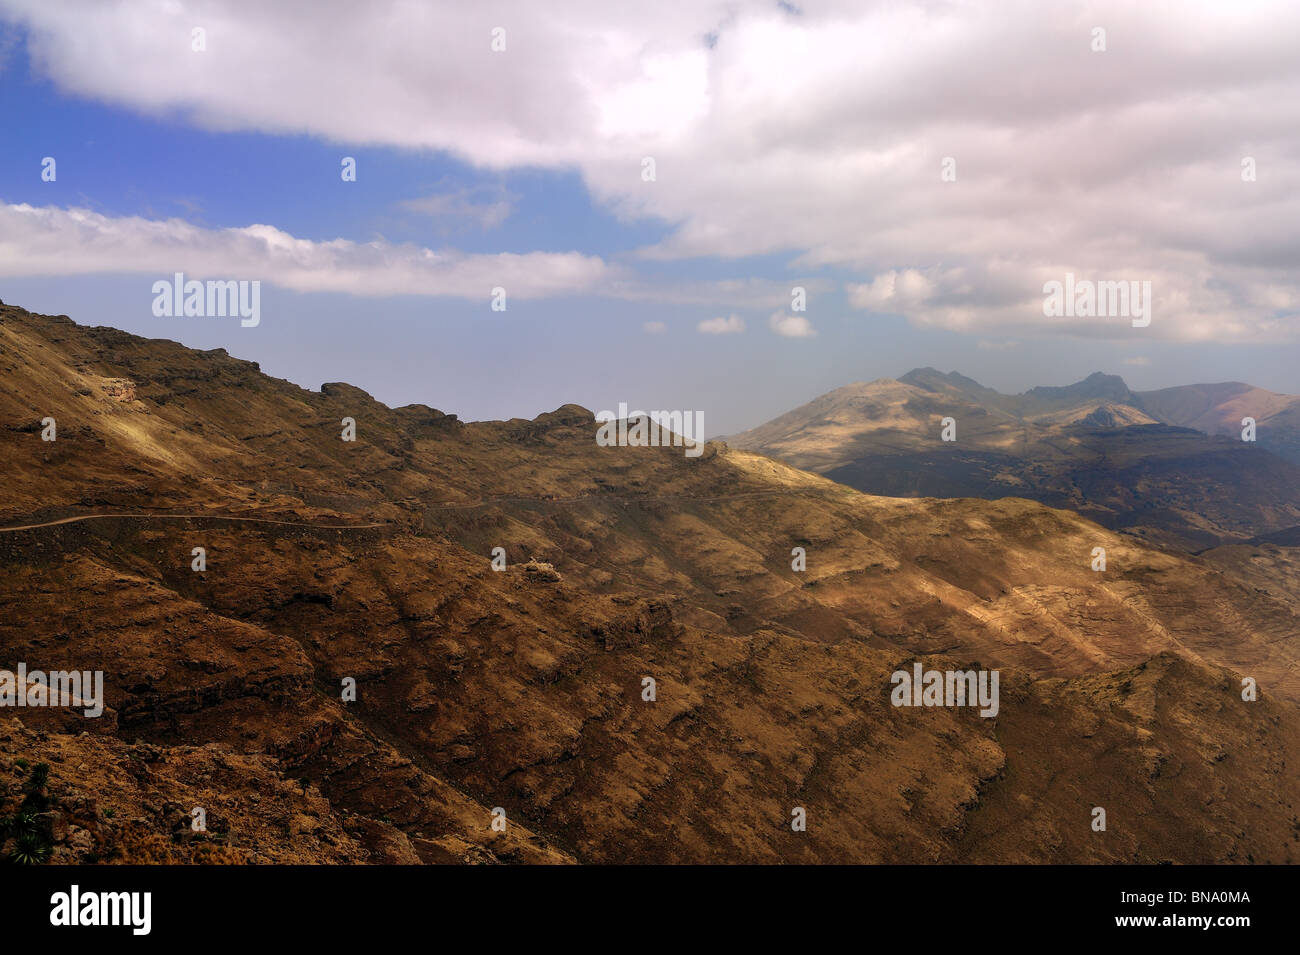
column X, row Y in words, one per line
column 1219, row 410
column 1095, row 447
column 524, row 688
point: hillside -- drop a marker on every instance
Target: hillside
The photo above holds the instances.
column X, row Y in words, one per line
column 1219, row 409
column 523, row 689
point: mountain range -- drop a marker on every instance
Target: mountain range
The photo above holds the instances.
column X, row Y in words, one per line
column 516, row 693
column 1170, row 466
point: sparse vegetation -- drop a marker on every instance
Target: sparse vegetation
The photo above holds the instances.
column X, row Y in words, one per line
column 27, row 840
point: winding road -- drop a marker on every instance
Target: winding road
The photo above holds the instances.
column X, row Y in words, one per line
column 186, row 517
column 432, row 507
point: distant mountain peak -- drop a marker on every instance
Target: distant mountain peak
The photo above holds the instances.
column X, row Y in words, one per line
column 928, row 378
column 1097, row 385
column 1101, row 378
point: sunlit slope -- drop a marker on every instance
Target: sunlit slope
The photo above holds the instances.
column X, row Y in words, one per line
column 524, row 689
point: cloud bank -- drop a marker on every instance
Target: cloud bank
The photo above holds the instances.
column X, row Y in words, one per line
column 52, row 241
column 954, row 157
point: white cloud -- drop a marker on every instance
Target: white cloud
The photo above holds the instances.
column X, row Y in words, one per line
column 819, row 135
column 731, row 325
column 654, row 328
column 1139, row 360
column 891, row 291
column 48, row 240
column 791, row 326
column 51, row 241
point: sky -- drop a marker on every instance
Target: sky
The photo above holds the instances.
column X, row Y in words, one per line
column 649, row 185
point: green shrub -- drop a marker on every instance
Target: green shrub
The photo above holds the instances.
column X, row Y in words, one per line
column 31, row 849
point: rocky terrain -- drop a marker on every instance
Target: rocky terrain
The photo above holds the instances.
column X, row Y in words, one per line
column 521, row 693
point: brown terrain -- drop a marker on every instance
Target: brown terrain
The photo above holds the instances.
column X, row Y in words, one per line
column 522, row 689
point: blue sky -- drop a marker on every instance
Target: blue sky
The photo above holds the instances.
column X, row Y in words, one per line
column 900, row 272
column 120, row 163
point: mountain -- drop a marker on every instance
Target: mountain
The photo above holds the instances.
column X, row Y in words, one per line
column 1219, row 410
column 880, row 416
column 525, row 690
column 934, row 381
column 1129, row 460
column 1096, row 387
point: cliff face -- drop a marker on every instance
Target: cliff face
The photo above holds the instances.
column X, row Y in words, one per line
column 331, row 564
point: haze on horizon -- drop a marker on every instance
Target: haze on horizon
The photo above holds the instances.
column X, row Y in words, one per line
column 920, row 169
